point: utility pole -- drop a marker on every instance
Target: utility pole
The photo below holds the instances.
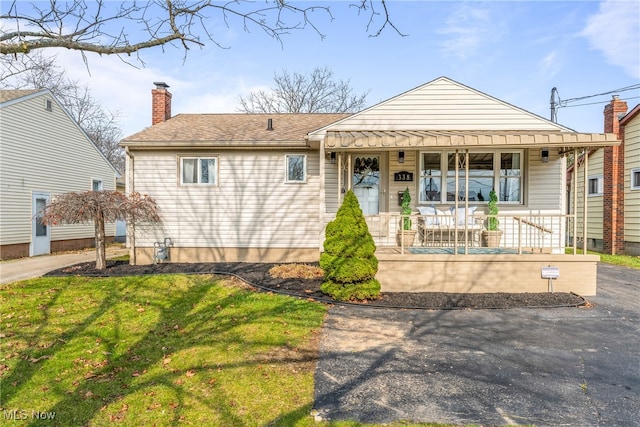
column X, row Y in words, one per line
column 554, row 105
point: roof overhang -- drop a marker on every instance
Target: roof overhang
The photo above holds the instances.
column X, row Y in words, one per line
column 424, row 139
column 217, row 145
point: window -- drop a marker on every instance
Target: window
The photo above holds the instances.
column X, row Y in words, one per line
column 48, row 105
column 198, row 170
column 635, row 179
column 96, row 185
column 510, row 177
column 596, row 186
column 487, row 171
column 296, row 165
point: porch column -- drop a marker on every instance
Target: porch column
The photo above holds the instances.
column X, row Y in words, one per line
column 455, row 198
column 575, row 201
column 585, row 197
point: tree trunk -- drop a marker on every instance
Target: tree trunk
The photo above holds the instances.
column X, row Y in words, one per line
column 131, row 239
column 101, row 250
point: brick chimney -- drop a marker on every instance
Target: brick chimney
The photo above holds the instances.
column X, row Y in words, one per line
column 161, row 103
column 613, row 198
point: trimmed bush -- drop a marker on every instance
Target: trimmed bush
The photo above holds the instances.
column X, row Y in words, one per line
column 349, row 260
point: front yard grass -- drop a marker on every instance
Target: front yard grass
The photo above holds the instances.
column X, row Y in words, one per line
column 623, row 260
column 156, row 350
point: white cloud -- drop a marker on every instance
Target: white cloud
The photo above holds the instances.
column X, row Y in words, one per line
column 466, row 30
column 615, row 31
column 550, row 65
column 119, row 87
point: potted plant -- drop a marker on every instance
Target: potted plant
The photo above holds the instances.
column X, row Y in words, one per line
column 492, row 234
column 405, row 235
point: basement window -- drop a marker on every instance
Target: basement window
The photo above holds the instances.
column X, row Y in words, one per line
column 635, row 179
column 596, row 186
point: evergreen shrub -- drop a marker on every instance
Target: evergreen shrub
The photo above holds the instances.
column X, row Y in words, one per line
column 349, row 260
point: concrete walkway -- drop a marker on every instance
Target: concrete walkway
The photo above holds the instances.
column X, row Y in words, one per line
column 28, row 268
column 542, row 367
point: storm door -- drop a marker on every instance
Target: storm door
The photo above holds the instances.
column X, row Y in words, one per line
column 41, row 233
column 366, row 183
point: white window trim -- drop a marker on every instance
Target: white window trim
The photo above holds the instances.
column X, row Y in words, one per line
column 101, row 182
column 600, row 184
column 496, row 176
column 633, row 172
column 198, row 158
column 286, row 169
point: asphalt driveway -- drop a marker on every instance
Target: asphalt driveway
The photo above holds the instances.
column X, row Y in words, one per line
column 546, row 367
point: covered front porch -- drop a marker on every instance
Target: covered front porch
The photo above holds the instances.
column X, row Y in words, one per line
column 532, row 256
column 446, row 249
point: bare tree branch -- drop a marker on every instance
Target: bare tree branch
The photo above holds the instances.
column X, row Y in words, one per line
column 317, row 92
column 124, row 28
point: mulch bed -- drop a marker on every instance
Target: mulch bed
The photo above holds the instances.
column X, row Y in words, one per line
column 257, row 275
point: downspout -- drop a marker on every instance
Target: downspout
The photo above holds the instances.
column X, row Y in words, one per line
column 129, row 188
column 321, row 207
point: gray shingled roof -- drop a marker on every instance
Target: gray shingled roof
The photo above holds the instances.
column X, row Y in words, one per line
column 227, row 129
column 9, row 95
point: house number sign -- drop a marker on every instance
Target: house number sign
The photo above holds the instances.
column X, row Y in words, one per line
column 403, row 176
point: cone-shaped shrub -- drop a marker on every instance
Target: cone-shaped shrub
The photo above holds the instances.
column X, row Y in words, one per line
column 349, row 260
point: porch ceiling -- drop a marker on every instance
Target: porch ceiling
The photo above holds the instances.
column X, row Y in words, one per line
column 390, row 139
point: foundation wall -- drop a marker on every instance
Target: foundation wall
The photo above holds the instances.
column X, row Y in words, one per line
column 486, row 273
column 267, row 255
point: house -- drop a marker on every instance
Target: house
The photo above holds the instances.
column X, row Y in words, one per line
column 43, row 153
column 613, row 186
column 262, row 187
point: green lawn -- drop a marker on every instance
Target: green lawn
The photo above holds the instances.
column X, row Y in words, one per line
column 156, row 350
column 623, row 260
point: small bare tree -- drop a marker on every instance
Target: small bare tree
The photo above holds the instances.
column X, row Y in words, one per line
column 317, row 92
column 100, row 207
column 123, row 28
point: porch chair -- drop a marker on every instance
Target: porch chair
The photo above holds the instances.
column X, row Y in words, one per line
column 437, row 227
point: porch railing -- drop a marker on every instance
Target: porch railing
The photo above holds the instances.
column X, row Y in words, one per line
column 522, row 233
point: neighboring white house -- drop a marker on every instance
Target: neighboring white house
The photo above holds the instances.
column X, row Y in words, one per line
column 262, row 187
column 43, row 152
column 612, row 186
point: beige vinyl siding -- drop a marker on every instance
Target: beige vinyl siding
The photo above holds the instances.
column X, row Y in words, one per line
column 631, row 197
column 44, row 151
column 331, row 187
column 545, row 184
column 251, row 207
column 595, row 213
column 444, row 104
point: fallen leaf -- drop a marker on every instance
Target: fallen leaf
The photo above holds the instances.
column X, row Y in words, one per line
column 190, row 373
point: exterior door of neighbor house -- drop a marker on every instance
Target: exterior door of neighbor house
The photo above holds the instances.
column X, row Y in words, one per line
column 41, row 234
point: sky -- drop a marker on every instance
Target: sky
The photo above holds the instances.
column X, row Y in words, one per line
column 516, row 51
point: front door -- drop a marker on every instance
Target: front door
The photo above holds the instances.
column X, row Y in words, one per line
column 41, row 234
column 366, row 183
